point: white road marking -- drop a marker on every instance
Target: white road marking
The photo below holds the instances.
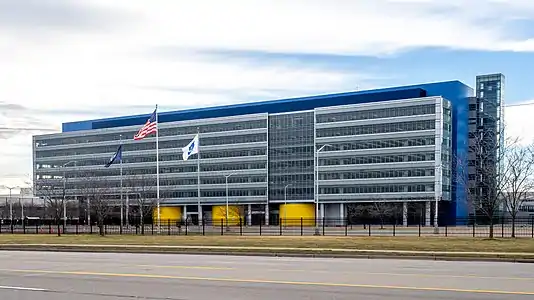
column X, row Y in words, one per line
column 22, row 288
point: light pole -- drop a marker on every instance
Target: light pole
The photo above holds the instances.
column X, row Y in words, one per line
column 226, row 182
column 10, row 188
column 65, row 192
column 285, row 201
column 317, row 187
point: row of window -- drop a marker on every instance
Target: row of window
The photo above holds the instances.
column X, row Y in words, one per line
column 230, row 126
column 375, row 189
column 151, row 186
column 377, row 128
column 427, row 109
column 378, row 144
column 164, row 170
column 376, row 174
column 162, row 158
column 377, row 159
column 210, row 141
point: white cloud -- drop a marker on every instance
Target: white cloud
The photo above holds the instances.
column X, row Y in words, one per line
column 99, row 54
column 518, row 121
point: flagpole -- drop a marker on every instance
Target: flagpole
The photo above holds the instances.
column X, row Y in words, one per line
column 157, row 170
column 122, row 204
column 198, row 180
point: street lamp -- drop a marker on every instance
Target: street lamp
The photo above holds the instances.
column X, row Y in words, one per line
column 285, row 201
column 226, row 181
column 65, row 191
column 317, row 187
column 10, row 188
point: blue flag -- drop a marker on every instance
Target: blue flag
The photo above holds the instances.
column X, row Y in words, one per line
column 116, row 157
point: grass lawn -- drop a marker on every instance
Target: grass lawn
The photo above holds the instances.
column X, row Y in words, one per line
column 365, row 243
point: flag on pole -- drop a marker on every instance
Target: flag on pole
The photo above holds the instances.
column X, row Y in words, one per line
column 151, row 126
column 191, row 148
column 116, row 157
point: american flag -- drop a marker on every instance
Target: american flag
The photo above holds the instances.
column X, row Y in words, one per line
column 151, row 126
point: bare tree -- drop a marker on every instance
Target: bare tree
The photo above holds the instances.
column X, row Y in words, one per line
column 359, row 211
column 142, row 187
column 484, row 166
column 52, row 195
column 518, row 178
column 382, row 210
column 98, row 192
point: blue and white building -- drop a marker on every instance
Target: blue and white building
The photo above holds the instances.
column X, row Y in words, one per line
column 397, row 145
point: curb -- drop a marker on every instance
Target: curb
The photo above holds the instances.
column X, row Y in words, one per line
column 274, row 252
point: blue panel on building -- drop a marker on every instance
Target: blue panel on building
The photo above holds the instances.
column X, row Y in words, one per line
column 275, row 106
column 457, row 93
column 77, row 126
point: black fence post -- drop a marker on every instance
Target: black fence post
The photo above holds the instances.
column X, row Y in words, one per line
column 394, row 227
column 36, row 227
column 446, row 230
column 369, row 227
column 120, row 229
column 301, row 226
column 323, row 224
column 77, row 222
column 222, row 226
column 261, row 222
column 12, row 229
column 91, row 228
column 203, row 226
column 240, row 226
column 474, row 230
column 532, row 227
column 280, row 225
column 346, row 227
column 502, row 227
column 50, row 228
column 186, row 227
column 420, row 220
column 169, row 227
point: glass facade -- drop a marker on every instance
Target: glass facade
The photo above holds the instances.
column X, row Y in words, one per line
column 291, row 156
column 236, row 146
column 380, row 151
column 486, row 133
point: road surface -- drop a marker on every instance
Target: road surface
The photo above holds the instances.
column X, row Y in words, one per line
column 106, row 276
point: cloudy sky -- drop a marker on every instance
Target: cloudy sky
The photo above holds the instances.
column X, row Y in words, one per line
column 72, row 60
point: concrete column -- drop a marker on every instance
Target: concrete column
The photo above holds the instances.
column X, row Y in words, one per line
column 184, row 214
column 200, row 215
column 427, row 212
column 267, row 214
column 405, row 214
column 249, row 215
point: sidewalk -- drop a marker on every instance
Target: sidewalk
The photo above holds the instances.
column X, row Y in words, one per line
column 278, row 251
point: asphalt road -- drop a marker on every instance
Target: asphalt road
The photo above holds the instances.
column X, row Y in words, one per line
column 106, row 276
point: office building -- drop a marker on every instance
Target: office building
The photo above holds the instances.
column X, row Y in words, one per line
column 393, row 145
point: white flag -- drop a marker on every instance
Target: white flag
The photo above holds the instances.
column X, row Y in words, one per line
column 191, row 148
